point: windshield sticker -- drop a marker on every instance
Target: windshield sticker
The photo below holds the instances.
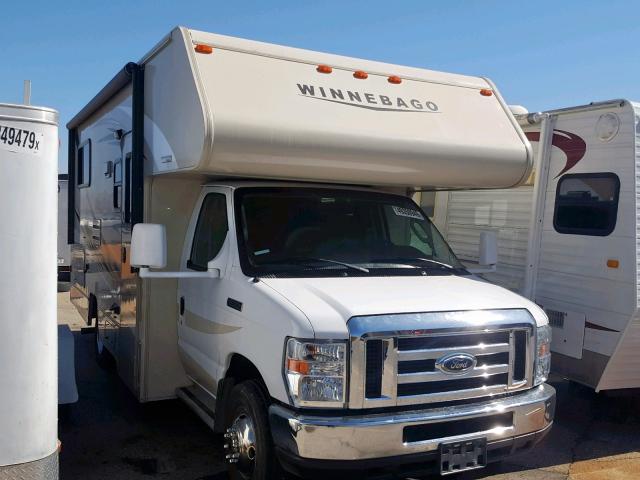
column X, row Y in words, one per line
column 407, row 212
column 261, row 252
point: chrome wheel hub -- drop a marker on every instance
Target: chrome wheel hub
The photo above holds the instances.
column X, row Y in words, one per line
column 240, row 443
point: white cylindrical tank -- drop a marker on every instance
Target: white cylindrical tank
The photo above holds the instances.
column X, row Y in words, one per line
column 28, row 343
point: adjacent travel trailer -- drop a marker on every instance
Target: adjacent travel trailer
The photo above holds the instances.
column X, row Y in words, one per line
column 568, row 239
column 243, row 237
column 64, row 253
column 28, row 345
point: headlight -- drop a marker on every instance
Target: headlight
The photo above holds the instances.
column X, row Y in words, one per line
column 543, row 354
column 316, row 372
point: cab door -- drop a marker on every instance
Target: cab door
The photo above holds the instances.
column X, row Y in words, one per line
column 202, row 311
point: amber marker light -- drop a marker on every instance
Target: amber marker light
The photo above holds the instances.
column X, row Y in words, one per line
column 202, row 48
column 359, row 74
column 486, row 92
column 611, row 263
column 324, row 69
column 394, row 79
column 299, row 366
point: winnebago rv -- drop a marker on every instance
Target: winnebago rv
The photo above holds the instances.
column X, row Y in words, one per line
column 243, row 238
column 569, row 239
column 64, row 254
column 28, row 346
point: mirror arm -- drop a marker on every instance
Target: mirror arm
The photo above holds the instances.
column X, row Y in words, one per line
column 482, row 269
column 211, row 273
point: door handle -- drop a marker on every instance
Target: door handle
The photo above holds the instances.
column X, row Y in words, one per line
column 181, row 305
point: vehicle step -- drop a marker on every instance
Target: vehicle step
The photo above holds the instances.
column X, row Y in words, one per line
column 191, row 397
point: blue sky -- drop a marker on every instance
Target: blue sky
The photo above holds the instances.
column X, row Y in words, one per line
column 542, row 54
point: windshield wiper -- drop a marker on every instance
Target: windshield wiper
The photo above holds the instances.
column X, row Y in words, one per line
column 412, row 259
column 442, row 264
column 344, row 264
column 326, row 260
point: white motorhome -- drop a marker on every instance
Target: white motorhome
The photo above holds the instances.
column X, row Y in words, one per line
column 569, row 238
column 243, row 238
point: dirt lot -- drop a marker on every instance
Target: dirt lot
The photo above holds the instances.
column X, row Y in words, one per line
column 108, row 435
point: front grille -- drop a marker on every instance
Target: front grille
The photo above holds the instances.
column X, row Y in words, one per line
column 443, row 386
column 434, row 431
column 406, row 367
column 374, row 374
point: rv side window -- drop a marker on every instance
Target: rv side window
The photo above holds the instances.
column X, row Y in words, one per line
column 587, row 204
column 117, row 183
column 84, row 165
column 211, row 230
column 117, row 172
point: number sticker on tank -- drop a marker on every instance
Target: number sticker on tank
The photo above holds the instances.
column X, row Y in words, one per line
column 20, row 140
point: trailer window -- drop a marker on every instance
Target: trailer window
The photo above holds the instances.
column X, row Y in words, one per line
column 587, row 204
column 211, row 230
column 84, row 165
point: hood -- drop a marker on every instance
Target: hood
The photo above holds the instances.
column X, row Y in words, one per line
column 329, row 303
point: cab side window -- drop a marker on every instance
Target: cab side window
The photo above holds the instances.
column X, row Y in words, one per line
column 587, row 204
column 211, row 231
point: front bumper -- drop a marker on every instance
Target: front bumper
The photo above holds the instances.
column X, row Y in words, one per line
column 340, row 441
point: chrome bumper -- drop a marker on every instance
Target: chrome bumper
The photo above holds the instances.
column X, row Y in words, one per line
column 359, row 437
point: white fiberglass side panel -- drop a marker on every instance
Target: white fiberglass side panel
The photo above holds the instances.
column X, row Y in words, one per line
column 170, row 202
column 175, row 123
column 505, row 212
column 274, row 116
column 28, row 331
column 573, row 268
column 574, row 275
column 623, row 370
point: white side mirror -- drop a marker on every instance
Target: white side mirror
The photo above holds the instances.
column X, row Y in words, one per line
column 488, row 254
column 149, row 246
column 149, row 250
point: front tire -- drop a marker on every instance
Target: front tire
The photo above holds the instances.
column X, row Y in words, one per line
column 248, row 445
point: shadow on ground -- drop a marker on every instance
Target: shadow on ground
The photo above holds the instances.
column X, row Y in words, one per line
column 109, row 435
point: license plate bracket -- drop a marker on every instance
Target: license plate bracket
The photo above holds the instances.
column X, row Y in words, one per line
column 462, row 455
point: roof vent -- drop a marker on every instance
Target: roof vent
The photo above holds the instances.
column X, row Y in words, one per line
column 518, row 110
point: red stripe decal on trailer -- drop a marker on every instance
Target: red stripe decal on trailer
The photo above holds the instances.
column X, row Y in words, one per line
column 572, row 145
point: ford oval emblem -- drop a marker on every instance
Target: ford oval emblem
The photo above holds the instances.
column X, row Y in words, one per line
column 456, row 363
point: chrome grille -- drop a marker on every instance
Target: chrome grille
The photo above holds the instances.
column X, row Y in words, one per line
column 400, row 367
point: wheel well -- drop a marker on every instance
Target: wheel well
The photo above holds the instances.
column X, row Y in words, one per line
column 240, row 369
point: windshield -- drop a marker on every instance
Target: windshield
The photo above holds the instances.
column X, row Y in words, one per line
column 313, row 231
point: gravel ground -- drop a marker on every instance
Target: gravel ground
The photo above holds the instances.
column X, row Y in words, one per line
column 107, row 435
